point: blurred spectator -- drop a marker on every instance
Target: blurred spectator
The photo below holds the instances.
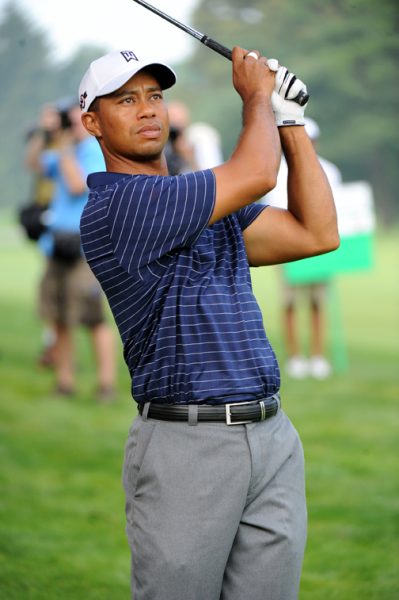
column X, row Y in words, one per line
column 191, row 146
column 43, row 136
column 207, row 144
column 179, row 151
column 318, row 364
column 69, row 293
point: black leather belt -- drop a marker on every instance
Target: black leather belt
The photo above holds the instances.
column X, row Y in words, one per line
column 236, row 413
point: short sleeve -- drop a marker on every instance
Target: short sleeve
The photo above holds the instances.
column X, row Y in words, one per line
column 248, row 214
column 150, row 217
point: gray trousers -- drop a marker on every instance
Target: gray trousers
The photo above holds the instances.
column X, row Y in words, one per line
column 215, row 512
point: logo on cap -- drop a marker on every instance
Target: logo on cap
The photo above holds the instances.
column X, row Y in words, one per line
column 129, row 55
column 82, row 101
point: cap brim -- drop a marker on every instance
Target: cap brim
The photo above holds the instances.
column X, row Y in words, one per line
column 165, row 76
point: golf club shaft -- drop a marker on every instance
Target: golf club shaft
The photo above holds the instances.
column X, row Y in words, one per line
column 302, row 97
column 204, row 39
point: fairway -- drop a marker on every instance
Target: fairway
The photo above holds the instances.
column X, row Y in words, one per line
column 61, row 501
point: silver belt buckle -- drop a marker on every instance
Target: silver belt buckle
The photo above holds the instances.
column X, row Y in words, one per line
column 228, row 413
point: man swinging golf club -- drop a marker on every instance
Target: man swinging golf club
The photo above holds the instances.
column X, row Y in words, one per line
column 213, row 473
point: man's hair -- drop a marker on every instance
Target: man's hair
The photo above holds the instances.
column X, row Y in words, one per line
column 95, row 105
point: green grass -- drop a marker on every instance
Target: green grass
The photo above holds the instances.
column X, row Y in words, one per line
column 61, row 501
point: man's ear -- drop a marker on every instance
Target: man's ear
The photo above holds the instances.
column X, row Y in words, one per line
column 91, row 124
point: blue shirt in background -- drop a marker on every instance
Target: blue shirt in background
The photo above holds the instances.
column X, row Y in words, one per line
column 180, row 290
column 66, row 209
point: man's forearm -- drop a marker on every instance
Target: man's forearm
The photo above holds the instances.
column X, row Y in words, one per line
column 259, row 132
column 310, row 198
column 251, row 171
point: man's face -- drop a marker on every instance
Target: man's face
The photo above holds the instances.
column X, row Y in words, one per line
column 132, row 123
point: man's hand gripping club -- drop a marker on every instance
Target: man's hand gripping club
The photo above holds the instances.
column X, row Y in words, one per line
column 287, row 87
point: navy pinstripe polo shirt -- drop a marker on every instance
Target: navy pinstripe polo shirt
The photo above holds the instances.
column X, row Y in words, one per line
column 180, row 290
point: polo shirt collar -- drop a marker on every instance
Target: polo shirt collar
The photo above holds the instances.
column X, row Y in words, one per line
column 105, row 178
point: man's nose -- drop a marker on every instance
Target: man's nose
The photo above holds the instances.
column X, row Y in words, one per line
column 146, row 109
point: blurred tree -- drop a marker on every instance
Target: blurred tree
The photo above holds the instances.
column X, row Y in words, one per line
column 67, row 75
column 346, row 51
column 28, row 80
column 23, row 60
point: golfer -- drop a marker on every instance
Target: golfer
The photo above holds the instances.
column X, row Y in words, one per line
column 213, row 472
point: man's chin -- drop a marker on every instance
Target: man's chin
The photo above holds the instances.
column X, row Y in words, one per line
column 146, row 157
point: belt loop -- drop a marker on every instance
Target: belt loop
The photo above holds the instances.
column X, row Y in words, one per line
column 145, row 411
column 193, row 414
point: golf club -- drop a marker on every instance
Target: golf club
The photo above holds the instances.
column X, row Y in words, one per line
column 301, row 99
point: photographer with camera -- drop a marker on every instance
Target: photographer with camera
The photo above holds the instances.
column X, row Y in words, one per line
column 179, row 151
column 69, row 293
column 34, row 214
column 42, row 136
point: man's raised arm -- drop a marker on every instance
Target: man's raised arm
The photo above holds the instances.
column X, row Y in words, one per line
column 252, row 169
column 309, row 226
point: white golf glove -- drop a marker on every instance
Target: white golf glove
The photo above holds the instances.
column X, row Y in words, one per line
column 287, row 87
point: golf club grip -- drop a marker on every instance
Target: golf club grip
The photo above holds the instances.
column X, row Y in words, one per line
column 301, row 99
column 217, row 47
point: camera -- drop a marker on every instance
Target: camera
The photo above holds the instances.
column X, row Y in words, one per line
column 174, row 133
column 64, row 119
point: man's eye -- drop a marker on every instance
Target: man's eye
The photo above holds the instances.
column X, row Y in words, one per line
column 127, row 100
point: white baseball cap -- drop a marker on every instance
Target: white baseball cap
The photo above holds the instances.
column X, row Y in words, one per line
column 109, row 72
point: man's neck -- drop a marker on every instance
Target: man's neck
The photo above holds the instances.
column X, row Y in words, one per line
column 121, row 164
